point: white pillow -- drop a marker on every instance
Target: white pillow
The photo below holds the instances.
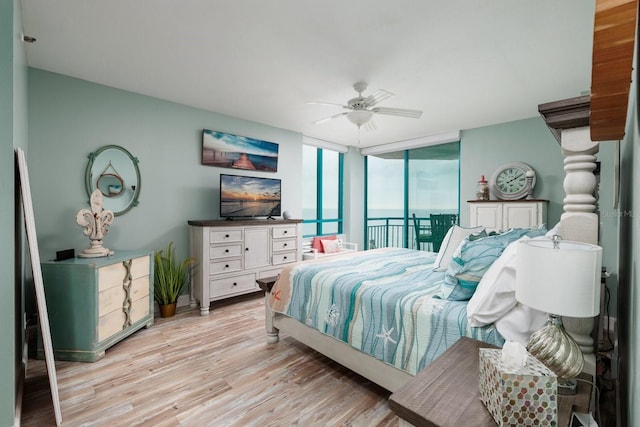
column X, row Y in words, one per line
column 494, row 301
column 450, row 243
column 331, row 246
column 496, row 292
column 519, row 323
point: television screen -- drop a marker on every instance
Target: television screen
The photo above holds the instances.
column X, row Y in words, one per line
column 247, row 196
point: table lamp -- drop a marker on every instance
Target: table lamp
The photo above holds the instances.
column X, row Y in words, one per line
column 561, row 278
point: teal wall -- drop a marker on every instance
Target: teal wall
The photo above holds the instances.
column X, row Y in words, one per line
column 629, row 291
column 70, row 118
column 7, row 309
column 13, row 133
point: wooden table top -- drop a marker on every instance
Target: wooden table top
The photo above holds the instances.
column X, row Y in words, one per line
column 446, row 393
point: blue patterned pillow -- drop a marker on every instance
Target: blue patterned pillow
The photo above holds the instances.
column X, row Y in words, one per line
column 474, row 257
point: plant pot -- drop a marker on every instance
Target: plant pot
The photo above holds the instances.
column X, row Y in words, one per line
column 167, row 310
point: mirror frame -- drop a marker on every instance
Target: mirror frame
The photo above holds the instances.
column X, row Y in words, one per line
column 134, row 160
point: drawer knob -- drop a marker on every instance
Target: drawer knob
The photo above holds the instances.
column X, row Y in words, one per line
column 285, row 245
column 235, row 284
column 285, row 232
column 226, row 266
column 226, row 235
column 226, row 250
column 246, row 249
column 285, row 257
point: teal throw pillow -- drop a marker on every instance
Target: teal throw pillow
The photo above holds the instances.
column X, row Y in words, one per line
column 474, row 257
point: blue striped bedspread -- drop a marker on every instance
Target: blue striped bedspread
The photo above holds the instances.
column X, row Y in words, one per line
column 382, row 302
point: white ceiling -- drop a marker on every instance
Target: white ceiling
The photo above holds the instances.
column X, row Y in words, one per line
column 465, row 63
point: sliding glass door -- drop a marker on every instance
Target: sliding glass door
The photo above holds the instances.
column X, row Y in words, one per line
column 404, row 189
column 385, row 201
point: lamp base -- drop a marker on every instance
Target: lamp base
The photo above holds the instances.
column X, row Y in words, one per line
column 556, row 349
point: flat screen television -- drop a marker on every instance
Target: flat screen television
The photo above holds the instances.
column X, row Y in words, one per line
column 249, row 197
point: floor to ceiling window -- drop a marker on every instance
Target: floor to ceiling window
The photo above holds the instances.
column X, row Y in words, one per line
column 322, row 191
column 421, row 182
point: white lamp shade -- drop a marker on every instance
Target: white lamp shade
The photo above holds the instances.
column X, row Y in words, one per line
column 564, row 281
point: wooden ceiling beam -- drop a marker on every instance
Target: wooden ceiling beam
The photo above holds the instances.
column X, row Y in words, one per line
column 613, row 42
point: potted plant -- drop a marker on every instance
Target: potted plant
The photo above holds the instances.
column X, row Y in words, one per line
column 170, row 276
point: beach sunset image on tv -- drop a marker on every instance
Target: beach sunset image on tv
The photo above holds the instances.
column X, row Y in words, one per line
column 244, row 196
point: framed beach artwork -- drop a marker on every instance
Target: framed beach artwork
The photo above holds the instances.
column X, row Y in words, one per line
column 226, row 150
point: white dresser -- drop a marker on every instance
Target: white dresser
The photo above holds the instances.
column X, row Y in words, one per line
column 232, row 255
column 500, row 215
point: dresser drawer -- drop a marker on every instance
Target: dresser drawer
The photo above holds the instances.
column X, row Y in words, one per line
column 232, row 285
column 225, row 266
column 280, row 232
column 284, row 245
column 283, row 258
column 223, row 236
column 115, row 321
column 114, row 298
column 225, row 251
column 113, row 275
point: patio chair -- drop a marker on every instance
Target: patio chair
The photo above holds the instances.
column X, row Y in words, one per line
column 423, row 235
column 440, row 224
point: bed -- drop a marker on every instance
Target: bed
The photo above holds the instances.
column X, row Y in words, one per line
column 387, row 313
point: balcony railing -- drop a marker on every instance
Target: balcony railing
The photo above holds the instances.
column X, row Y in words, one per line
column 387, row 232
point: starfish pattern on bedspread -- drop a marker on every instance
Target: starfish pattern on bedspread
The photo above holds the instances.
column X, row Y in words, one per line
column 333, row 314
column 386, row 336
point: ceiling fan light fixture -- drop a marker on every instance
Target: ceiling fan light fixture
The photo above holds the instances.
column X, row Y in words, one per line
column 359, row 117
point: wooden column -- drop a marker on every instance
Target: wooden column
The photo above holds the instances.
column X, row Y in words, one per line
column 568, row 121
column 579, row 220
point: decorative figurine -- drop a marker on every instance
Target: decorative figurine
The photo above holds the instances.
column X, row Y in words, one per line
column 530, row 175
column 96, row 225
column 483, row 189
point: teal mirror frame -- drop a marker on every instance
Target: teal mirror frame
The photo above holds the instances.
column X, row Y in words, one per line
column 115, row 160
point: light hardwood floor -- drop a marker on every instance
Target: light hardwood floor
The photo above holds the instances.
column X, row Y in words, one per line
column 215, row 370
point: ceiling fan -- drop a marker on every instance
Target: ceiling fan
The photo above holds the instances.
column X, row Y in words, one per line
column 362, row 108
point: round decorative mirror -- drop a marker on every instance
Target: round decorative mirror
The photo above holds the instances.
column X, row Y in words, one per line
column 114, row 171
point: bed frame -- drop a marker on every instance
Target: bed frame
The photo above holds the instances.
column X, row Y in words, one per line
column 377, row 371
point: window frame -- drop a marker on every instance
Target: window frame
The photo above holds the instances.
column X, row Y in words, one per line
column 319, row 221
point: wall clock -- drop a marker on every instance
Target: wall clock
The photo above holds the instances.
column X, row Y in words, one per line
column 509, row 181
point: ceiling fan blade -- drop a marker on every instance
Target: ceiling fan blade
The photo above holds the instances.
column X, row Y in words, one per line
column 370, row 126
column 403, row 112
column 377, row 96
column 326, row 119
column 329, row 104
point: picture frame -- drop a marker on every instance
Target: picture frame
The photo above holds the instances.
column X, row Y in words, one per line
column 227, row 150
